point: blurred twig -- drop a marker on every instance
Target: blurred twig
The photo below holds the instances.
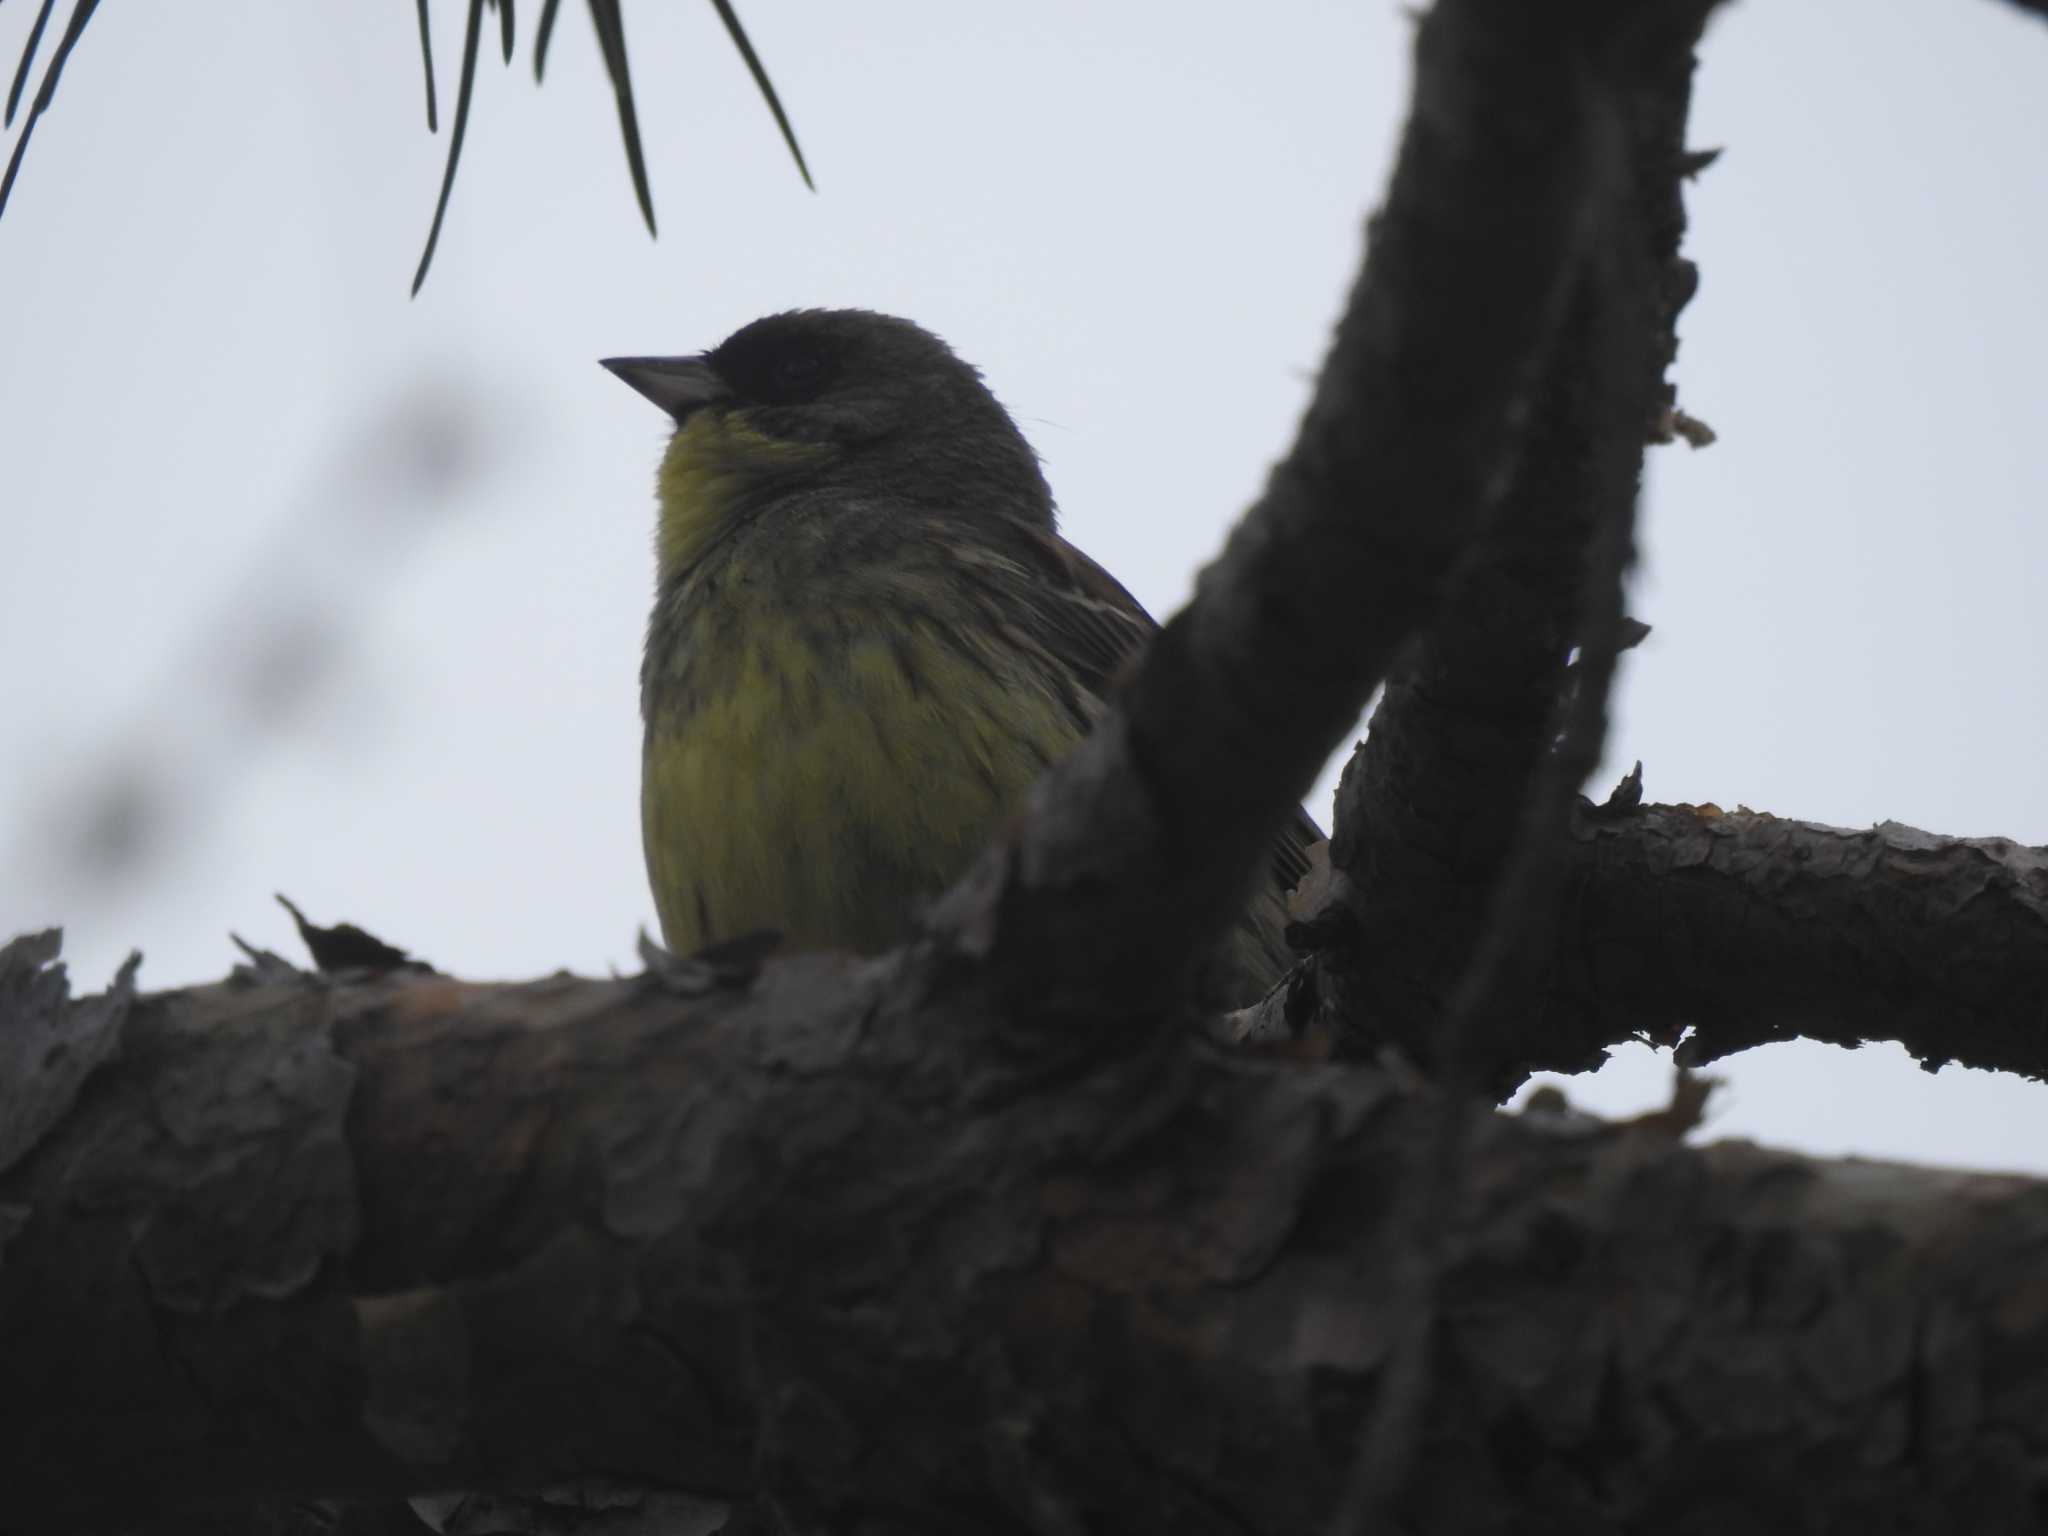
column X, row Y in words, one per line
column 278, row 638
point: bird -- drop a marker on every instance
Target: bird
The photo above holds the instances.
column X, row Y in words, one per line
column 868, row 640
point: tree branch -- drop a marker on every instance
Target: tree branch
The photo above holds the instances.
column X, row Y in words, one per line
column 1736, row 928
column 835, row 1241
column 798, row 1241
column 1141, row 845
column 1449, row 814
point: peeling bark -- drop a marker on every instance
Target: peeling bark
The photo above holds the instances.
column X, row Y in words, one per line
column 1449, row 815
column 980, row 1236
column 1737, row 928
column 812, row 1243
column 1713, row 931
column 1140, row 846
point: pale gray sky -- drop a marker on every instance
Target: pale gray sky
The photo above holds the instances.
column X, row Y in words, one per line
column 354, row 585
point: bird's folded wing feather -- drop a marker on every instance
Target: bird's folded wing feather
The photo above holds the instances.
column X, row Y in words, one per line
column 1084, row 618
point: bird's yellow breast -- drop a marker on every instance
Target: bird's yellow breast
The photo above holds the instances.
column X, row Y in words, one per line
column 714, row 461
column 830, row 769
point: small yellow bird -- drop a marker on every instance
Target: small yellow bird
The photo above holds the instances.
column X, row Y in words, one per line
column 867, row 641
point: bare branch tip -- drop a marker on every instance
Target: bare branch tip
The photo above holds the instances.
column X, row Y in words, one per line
column 1692, row 161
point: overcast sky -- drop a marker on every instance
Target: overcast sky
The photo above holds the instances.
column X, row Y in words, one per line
column 313, row 588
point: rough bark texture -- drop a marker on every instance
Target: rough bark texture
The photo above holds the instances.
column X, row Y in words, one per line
column 365, row 1237
column 1713, row 931
column 1446, row 852
column 1743, row 928
column 979, row 1237
column 1145, row 840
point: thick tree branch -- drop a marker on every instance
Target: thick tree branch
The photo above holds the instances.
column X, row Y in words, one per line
column 1141, row 845
column 1445, row 853
column 307, row 1237
column 1736, row 928
column 836, row 1241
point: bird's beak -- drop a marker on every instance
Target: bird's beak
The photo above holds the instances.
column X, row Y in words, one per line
column 679, row 385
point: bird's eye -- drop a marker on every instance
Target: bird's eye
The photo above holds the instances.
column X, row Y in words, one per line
column 797, row 376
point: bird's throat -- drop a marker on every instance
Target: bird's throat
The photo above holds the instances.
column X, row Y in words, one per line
column 716, row 467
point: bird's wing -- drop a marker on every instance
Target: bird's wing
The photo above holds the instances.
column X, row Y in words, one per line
column 1084, row 618
column 1081, row 613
